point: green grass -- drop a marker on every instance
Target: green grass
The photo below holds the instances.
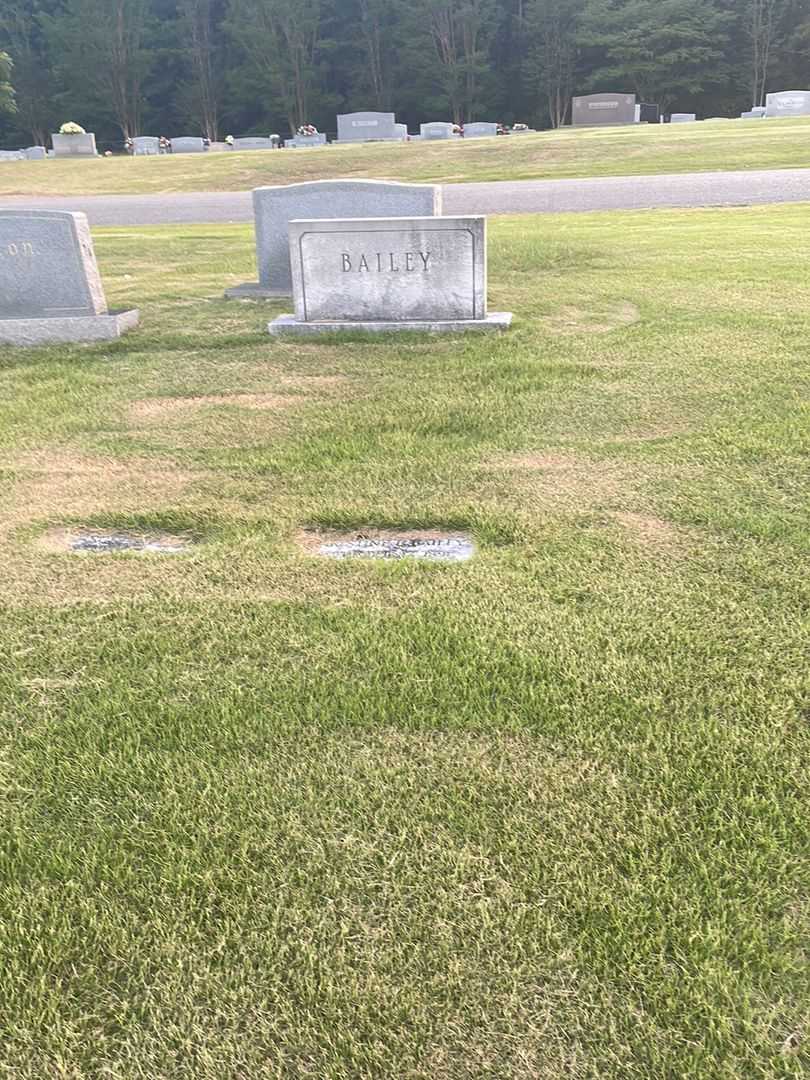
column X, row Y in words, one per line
column 621, row 151
column 540, row 815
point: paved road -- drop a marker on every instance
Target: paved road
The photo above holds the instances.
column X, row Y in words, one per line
column 506, row 197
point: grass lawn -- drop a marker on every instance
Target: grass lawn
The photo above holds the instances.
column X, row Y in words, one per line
column 621, row 151
column 538, row 815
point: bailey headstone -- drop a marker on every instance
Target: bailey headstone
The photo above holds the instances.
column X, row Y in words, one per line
column 389, row 274
column 275, row 207
column 603, row 110
column 50, row 288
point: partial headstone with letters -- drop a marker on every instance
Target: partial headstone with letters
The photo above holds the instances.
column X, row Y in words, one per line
column 389, row 274
column 604, row 110
column 275, row 207
column 788, row 103
column 50, row 288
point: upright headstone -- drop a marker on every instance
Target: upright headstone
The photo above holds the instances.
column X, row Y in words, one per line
column 218, row 147
column 649, row 113
column 36, row 153
column 275, row 207
column 50, row 288
column 479, row 130
column 757, row 113
column 12, row 155
column 402, row 131
column 146, row 145
column 74, row 145
column 437, row 129
column 683, row 118
column 603, row 110
column 788, row 103
column 426, row 274
column 368, row 127
column 252, row 142
column 303, row 142
column 187, row 144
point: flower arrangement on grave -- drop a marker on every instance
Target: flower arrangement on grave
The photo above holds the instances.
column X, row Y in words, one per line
column 71, row 129
column 229, row 140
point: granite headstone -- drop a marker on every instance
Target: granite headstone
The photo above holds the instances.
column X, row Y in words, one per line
column 368, row 127
column 188, row 144
column 146, row 145
column 74, row 145
column 603, row 110
column 788, row 103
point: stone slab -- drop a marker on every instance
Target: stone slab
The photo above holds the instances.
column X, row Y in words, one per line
column 450, row 549
column 56, row 331
column 289, row 326
column 36, row 153
column 480, row 130
column 683, row 118
column 437, row 129
column 787, row 103
column 146, row 145
column 74, row 145
column 304, row 142
column 253, row 142
column 48, row 266
column 188, row 145
column 603, row 110
column 422, row 269
column 12, row 155
column 368, row 127
column 275, row 207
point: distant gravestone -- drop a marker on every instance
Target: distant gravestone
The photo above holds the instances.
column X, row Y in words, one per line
column 788, row 103
column 402, row 131
column 74, row 145
column 757, row 113
column 368, row 127
column 603, row 110
column 479, row 130
column 146, row 145
column 302, row 142
column 12, row 155
column 683, row 118
column 50, row 288
column 437, row 129
column 424, row 274
column 36, row 153
column 253, row 142
column 187, row 144
column 275, row 207
column 649, row 113
column 218, row 147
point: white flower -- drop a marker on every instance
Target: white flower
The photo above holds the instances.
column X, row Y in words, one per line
column 71, row 129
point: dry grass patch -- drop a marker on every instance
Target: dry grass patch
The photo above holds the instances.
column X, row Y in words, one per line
column 598, row 319
column 158, row 408
column 652, row 532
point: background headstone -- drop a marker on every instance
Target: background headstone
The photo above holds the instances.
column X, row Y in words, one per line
column 36, row 153
column 146, row 145
column 275, row 207
column 437, row 129
column 426, row 273
column 50, row 288
column 74, row 145
column 479, row 130
column 187, row 144
column 683, row 118
column 12, row 155
column 603, row 110
column 301, row 142
column 252, row 142
column 788, row 103
column 757, row 113
column 368, row 127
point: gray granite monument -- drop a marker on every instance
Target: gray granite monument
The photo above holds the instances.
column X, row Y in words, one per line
column 36, row 153
column 146, row 146
column 389, row 274
column 438, row 129
column 303, row 142
column 188, row 144
column 275, row 207
column 50, row 288
column 253, row 142
column 479, row 130
column 683, row 118
column 74, row 145
column 603, row 110
column 369, row 127
column 787, row 103
column 12, row 155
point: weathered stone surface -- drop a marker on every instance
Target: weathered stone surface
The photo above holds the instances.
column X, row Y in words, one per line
column 451, row 549
column 479, row 130
column 253, row 142
column 188, row 145
column 368, row 127
column 50, row 288
column 389, row 269
column 74, row 145
column 275, row 207
column 437, row 129
column 603, row 110
column 146, row 145
column 788, row 103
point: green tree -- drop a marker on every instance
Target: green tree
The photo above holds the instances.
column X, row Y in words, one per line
column 665, row 50
column 461, row 31
column 552, row 27
column 199, row 27
column 7, row 103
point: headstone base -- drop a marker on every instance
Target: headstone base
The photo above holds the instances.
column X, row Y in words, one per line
column 63, row 331
column 254, row 290
column 289, row 326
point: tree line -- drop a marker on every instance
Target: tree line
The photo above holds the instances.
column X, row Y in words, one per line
column 217, row 67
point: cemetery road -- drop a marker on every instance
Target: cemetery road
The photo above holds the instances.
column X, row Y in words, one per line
column 502, row 197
